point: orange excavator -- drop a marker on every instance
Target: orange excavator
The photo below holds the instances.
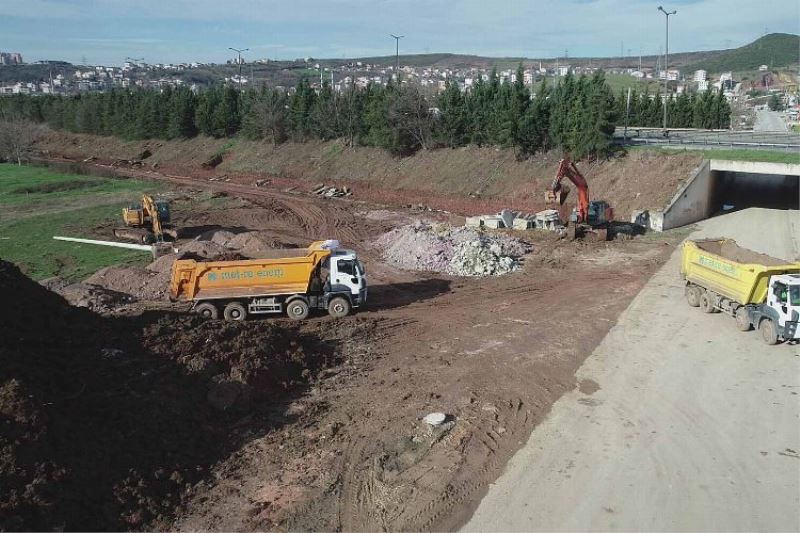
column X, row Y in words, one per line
column 589, row 218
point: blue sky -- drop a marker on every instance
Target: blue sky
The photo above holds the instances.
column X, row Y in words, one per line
column 107, row 31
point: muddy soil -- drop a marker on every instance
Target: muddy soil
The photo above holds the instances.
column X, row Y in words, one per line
column 341, row 444
column 108, row 423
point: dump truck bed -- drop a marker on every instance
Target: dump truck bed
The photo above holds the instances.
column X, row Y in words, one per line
column 199, row 280
column 722, row 266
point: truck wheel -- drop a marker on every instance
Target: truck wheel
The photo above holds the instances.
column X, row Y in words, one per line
column 706, row 305
column 297, row 310
column 742, row 319
column 339, row 307
column 207, row 310
column 234, row 311
column 768, row 332
column 692, row 296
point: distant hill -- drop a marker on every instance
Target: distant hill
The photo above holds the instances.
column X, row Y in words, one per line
column 776, row 50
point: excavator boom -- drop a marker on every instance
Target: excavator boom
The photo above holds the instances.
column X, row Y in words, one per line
column 566, row 168
column 146, row 222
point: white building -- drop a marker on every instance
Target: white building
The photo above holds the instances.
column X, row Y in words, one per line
column 563, row 71
column 725, row 76
column 702, row 85
column 700, row 75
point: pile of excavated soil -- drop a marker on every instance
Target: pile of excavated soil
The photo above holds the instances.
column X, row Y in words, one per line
column 140, row 283
column 452, row 250
column 108, row 423
column 732, row 251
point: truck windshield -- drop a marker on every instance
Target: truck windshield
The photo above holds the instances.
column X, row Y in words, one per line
column 347, row 266
column 794, row 295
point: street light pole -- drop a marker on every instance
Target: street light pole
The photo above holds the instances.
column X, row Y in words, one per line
column 397, row 55
column 239, row 60
column 666, row 63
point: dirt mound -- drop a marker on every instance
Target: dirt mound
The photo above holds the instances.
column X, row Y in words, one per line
column 220, row 237
column 108, row 423
column 207, row 249
column 256, row 243
column 458, row 251
column 140, row 283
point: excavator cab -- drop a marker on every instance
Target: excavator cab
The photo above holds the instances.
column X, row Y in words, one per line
column 146, row 221
column 162, row 206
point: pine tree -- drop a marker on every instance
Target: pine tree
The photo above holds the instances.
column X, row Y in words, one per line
column 453, row 126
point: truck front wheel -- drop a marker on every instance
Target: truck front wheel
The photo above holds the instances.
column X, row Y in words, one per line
column 207, row 310
column 768, row 331
column 297, row 310
column 234, row 311
column 706, row 304
column 693, row 296
column 339, row 307
column 742, row 319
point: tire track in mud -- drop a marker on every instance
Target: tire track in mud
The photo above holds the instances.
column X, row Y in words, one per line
column 314, row 216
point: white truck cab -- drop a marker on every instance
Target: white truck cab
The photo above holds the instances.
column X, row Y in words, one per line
column 783, row 305
column 346, row 274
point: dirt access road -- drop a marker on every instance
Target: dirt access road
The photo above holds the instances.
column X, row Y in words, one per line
column 492, row 353
column 683, row 423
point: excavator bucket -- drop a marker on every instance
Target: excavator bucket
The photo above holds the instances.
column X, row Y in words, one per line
column 139, row 235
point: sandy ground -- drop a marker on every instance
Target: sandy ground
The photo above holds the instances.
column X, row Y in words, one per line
column 681, row 422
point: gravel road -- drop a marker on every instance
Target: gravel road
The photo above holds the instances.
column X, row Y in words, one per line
column 681, row 422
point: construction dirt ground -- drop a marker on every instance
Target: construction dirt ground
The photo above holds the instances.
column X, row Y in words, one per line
column 141, row 416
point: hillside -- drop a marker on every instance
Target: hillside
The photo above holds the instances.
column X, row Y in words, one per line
column 775, row 50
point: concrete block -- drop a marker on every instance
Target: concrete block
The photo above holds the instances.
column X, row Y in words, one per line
column 474, row 222
column 507, row 217
column 493, row 222
column 656, row 221
column 523, row 224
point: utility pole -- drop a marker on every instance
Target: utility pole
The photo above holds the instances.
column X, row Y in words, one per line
column 239, row 60
column 666, row 63
column 397, row 55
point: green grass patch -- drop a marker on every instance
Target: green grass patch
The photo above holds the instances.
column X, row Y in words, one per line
column 29, row 243
column 765, row 156
column 796, row 128
column 36, row 204
column 34, row 186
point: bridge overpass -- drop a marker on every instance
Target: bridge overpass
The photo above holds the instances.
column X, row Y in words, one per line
column 720, row 186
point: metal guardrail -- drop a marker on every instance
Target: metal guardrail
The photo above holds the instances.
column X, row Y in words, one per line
column 710, row 138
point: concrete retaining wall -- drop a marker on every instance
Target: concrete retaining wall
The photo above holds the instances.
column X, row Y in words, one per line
column 700, row 196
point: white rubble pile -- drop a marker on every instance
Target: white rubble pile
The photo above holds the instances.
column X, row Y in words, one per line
column 457, row 251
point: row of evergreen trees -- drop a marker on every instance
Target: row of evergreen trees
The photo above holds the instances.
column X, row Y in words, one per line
column 577, row 115
column 707, row 110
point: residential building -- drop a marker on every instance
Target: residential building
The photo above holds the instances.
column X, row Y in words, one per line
column 700, row 75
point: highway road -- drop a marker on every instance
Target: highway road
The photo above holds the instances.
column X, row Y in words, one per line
column 767, row 120
column 681, row 422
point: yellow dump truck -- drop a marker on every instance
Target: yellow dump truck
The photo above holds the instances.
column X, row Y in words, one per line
column 323, row 276
column 758, row 290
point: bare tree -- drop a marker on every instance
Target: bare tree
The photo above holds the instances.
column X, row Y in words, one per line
column 17, row 138
column 269, row 116
column 411, row 120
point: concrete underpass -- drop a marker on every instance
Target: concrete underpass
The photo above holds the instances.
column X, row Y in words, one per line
column 720, row 186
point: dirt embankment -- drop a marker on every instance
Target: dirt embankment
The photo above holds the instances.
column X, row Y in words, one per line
column 108, row 424
column 441, row 178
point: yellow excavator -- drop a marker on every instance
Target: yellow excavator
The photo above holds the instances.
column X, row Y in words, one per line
column 146, row 222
